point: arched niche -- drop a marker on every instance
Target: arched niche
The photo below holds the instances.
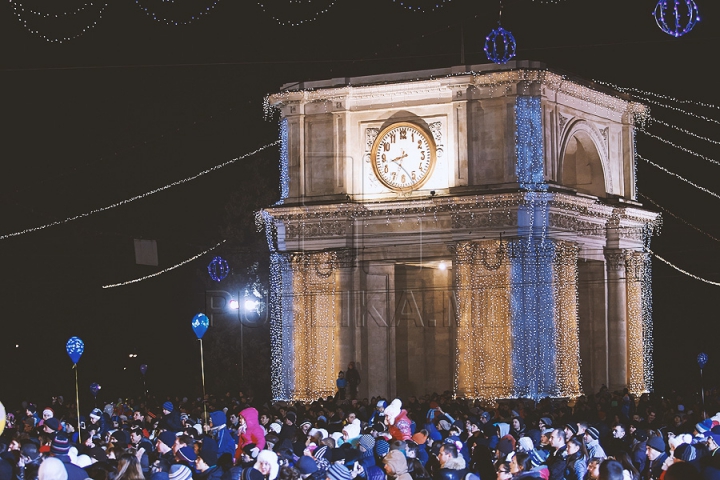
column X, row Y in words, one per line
column 582, row 166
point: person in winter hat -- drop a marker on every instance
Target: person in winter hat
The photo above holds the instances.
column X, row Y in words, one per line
column 249, row 431
column 592, row 443
column 396, row 465
column 267, row 464
column 221, row 434
column 171, row 418
column 378, row 414
column 351, row 432
column 397, row 421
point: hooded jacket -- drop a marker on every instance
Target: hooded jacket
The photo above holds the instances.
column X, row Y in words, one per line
column 253, row 433
column 225, row 442
column 398, row 464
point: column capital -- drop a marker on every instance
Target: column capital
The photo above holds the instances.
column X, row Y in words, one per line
column 615, row 259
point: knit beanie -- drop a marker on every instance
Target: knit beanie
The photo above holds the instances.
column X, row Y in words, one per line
column 60, row 445
column 53, row 424
column 382, row 447
column 96, row 414
column 419, row 438
column 306, row 465
column 393, row 410
column 168, row 406
column 506, row 445
column 338, row 472
column 180, row 472
column 187, row 453
column 367, row 442
column 593, row 432
column 168, row 438
column 657, row 443
column 538, row 457
column 526, row 444
column 572, row 427
column 353, row 429
column 547, row 421
column 685, row 452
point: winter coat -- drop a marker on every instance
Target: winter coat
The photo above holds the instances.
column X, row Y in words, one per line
column 576, row 467
column 253, row 433
column 401, row 430
column 397, row 462
column 454, row 469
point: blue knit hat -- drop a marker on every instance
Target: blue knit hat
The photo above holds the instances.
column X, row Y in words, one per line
column 704, row 426
column 382, row 447
column 168, row 406
column 538, row 457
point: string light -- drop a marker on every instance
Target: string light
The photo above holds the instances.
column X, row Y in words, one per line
column 419, row 9
column 686, row 131
column 174, row 22
column 634, row 266
column 314, row 324
column 284, row 161
column 566, row 328
column 677, row 217
column 679, row 176
column 484, row 338
column 679, row 147
column 113, row 285
column 280, row 326
column 663, row 105
column 19, row 9
column 295, row 23
column 664, row 97
column 667, row 262
column 136, row 197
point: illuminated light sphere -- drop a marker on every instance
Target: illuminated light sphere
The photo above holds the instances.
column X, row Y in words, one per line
column 702, row 359
column 500, row 45
column 218, row 269
column 676, row 17
column 234, row 305
column 442, row 266
column 251, row 305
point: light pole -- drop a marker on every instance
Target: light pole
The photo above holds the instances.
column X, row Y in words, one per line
column 702, row 359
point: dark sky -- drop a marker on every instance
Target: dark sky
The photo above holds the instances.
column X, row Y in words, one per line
column 134, row 104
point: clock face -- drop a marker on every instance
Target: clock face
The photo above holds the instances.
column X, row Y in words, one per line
column 403, row 156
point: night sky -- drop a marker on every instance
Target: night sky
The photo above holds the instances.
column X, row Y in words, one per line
column 134, row 104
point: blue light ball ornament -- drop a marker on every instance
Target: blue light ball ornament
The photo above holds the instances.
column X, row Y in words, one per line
column 75, row 348
column 676, row 17
column 218, row 269
column 500, row 45
column 702, row 360
column 95, row 388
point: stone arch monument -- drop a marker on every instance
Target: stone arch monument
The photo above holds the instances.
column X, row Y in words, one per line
column 473, row 229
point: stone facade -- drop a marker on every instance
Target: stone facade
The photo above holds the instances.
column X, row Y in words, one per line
column 524, row 156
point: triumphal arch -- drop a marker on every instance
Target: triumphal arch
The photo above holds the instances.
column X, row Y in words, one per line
column 473, row 229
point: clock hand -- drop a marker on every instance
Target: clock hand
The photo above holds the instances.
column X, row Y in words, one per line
column 400, row 157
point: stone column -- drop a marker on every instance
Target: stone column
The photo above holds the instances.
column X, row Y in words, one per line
column 617, row 319
column 379, row 341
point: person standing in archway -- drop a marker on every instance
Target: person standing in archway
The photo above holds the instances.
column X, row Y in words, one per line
column 353, row 380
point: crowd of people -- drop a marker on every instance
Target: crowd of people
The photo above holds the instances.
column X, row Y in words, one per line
column 607, row 435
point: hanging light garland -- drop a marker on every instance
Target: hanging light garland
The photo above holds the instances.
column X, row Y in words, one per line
column 676, row 17
column 710, row 192
column 295, row 23
column 679, row 147
column 677, row 217
column 171, row 21
column 19, row 10
column 684, row 130
column 137, row 197
column 195, row 257
column 667, row 262
column 419, row 9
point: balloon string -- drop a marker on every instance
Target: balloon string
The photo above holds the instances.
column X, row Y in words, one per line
column 77, row 399
column 202, row 372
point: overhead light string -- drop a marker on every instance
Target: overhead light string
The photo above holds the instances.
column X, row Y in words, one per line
column 685, row 272
column 195, row 257
column 674, row 175
column 677, row 217
column 174, row 22
column 137, row 197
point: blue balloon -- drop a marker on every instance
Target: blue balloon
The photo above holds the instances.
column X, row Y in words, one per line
column 702, row 360
column 143, row 369
column 200, row 324
column 75, row 348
